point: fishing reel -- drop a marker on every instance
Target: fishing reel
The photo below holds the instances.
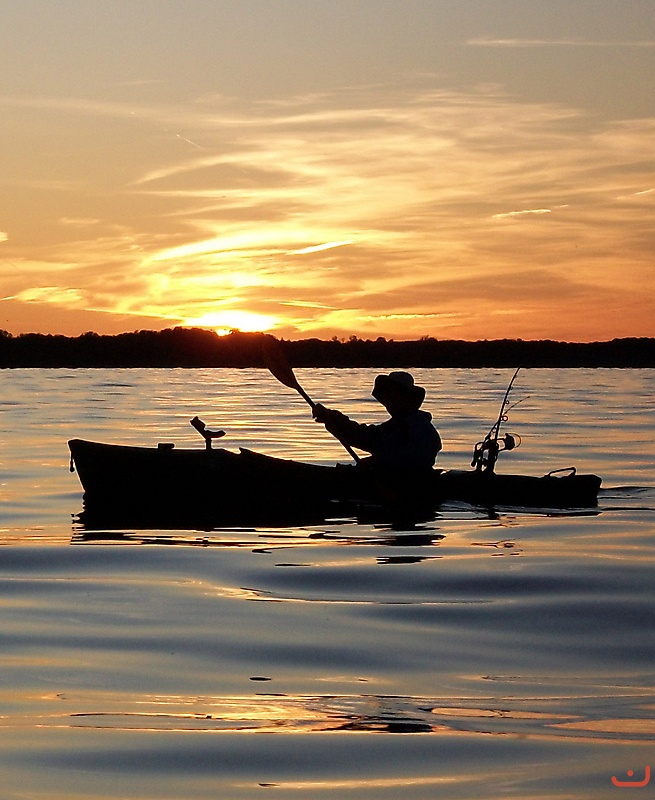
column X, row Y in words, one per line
column 485, row 453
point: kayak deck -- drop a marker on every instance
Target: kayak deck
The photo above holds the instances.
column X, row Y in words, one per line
column 218, row 482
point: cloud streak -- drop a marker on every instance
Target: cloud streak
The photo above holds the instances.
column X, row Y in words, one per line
column 491, row 42
column 407, row 213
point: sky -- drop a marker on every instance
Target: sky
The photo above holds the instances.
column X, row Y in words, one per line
column 477, row 169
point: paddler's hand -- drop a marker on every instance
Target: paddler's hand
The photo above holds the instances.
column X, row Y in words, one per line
column 321, row 413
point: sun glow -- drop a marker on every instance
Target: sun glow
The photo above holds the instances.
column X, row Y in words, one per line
column 318, row 217
column 225, row 321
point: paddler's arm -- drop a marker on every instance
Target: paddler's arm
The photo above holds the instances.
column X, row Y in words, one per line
column 344, row 428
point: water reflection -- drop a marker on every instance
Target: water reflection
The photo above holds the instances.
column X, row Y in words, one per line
column 472, row 652
column 628, row 717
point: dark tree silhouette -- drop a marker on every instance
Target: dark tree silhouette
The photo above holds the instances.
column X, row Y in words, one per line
column 197, row 347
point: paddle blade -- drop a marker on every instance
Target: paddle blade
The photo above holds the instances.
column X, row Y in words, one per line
column 277, row 363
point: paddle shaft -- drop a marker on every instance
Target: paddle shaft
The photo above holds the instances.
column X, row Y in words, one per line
column 313, row 405
column 305, row 397
column 280, row 368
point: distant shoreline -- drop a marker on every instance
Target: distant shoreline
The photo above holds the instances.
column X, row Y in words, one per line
column 197, row 347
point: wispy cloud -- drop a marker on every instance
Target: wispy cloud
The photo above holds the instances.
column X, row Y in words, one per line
column 492, row 42
column 523, row 213
column 317, row 248
column 379, row 216
column 51, row 294
column 80, row 222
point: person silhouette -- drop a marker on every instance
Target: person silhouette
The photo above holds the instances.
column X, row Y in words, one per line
column 407, row 441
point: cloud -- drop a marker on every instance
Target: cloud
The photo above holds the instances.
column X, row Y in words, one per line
column 490, row 42
column 81, row 222
column 50, row 294
column 317, row 248
column 432, row 208
column 522, row 213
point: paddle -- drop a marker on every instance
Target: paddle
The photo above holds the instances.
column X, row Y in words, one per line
column 280, row 368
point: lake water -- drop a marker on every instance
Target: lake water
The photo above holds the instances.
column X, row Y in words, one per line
column 477, row 655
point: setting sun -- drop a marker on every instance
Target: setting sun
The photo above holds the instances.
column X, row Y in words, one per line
column 444, row 186
column 225, row 321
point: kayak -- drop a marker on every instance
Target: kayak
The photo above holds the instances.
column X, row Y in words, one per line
column 175, row 483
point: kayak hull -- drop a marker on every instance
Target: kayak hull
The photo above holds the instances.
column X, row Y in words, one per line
column 179, row 483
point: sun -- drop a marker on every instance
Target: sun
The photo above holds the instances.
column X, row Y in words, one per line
column 225, row 321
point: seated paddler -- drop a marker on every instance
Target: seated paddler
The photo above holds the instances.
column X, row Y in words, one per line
column 407, row 441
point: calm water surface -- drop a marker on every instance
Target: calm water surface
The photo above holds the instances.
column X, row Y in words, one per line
column 476, row 655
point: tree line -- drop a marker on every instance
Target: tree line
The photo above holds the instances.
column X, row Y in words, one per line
column 197, row 347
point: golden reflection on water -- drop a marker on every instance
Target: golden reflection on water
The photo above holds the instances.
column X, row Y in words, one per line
column 462, row 630
column 356, row 713
column 630, row 727
column 376, row 783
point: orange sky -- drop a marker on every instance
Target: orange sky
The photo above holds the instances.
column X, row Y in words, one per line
column 459, row 173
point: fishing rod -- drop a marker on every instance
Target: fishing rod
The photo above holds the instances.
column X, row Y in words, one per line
column 486, row 452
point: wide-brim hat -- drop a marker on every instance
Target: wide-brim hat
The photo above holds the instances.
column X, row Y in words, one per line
column 398, row 384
